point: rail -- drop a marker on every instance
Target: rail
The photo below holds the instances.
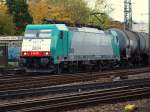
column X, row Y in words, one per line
column 118, row 91
column 49, row 80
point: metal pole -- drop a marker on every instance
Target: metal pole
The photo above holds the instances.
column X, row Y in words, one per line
column 124, row 14
column 149, row 26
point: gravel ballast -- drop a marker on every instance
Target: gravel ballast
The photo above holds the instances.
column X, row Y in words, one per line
column 116, row 107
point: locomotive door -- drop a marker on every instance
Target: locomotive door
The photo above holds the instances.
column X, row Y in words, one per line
column 64, row 41
column 3, row 55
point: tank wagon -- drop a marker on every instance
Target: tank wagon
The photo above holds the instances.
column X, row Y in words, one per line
column 134, row 46
column 56, row 47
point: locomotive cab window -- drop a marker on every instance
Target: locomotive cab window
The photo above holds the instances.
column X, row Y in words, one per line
column 30, row 34
column 45, row 34
column 38, row 33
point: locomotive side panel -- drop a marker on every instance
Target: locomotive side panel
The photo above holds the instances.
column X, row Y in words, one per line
column 91, row 46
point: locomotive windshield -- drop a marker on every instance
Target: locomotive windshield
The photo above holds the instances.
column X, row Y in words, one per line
column 38, row 33
column 30, row 34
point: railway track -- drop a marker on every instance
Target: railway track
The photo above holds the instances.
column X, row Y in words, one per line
column 11, row 94
column 49, row 80
column 106, row 93
column 6, row 73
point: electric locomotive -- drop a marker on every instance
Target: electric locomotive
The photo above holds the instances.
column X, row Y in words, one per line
column 57, row 48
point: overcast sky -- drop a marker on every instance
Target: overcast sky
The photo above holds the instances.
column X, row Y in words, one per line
column 139, row 7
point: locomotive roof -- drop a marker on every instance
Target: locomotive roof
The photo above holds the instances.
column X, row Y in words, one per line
column 86, row 29
column 61, row 27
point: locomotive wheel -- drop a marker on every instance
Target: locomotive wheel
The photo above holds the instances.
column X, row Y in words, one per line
column 71, row 69
column 58, row 69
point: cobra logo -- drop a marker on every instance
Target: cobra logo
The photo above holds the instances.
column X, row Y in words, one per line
column 36, row 45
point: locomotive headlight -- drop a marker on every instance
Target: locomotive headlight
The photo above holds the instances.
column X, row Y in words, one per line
column 47, row 53
column 24, row 53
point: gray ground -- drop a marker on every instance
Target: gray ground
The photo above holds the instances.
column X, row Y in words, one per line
column 116, row 107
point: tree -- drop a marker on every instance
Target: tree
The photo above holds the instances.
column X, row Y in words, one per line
column 19, row 10
column 103, row 6
column 101, row 19
column 38, row 10
column 44, row 9
column 99, row 15
column 6, row 21
column 3, row 7
column 116, row 24
column 77, row 10
column 72, row 11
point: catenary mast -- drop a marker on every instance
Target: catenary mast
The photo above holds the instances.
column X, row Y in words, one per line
column 127, row 14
